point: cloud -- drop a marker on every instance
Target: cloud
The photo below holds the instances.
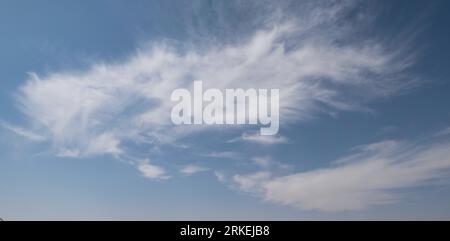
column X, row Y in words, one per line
column 23, row 132
column 68, row 153
column 191, row 169
column 224, row 155
column 257, row 138
column 374, row 175
column 251, row 183
column 268, row 162
column 110, row 108
column 443, row 132
column 220, row 176
column 104, row 143
column 152, row 171
column 262, row 161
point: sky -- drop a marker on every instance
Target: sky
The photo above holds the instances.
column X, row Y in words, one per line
column 86, row 134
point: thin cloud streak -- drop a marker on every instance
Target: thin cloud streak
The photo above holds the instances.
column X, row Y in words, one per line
column 260, row 139
column 374, row 175
column 23, row 132
column 192, row 169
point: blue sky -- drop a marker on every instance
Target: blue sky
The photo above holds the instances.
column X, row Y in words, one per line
column 85, row 101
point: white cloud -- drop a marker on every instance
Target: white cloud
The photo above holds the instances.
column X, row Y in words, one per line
column 372, row 176
column 224, row 155
column 192, row 169
column 104, row 143
column 23, row 132
column 68, row 153
column 252, row 183
column 99, row 110
column 151, row 171
column 262, row 161
column 268, row 162
column 257, row 138
column 220, row 176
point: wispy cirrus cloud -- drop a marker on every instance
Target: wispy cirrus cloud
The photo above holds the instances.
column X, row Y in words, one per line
column 260, row 139
column 371, row 176
column 23, row 132
column 152, row 171
column 224, row 155
column 105, row 108
column 68, row 153
column 191, row 169
column 268, row 162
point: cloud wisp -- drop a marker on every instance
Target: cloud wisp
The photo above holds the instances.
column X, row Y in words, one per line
column 192, row 169
column 260, row 139
column 23, row 132
column 152, row 171
column 371, row 176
